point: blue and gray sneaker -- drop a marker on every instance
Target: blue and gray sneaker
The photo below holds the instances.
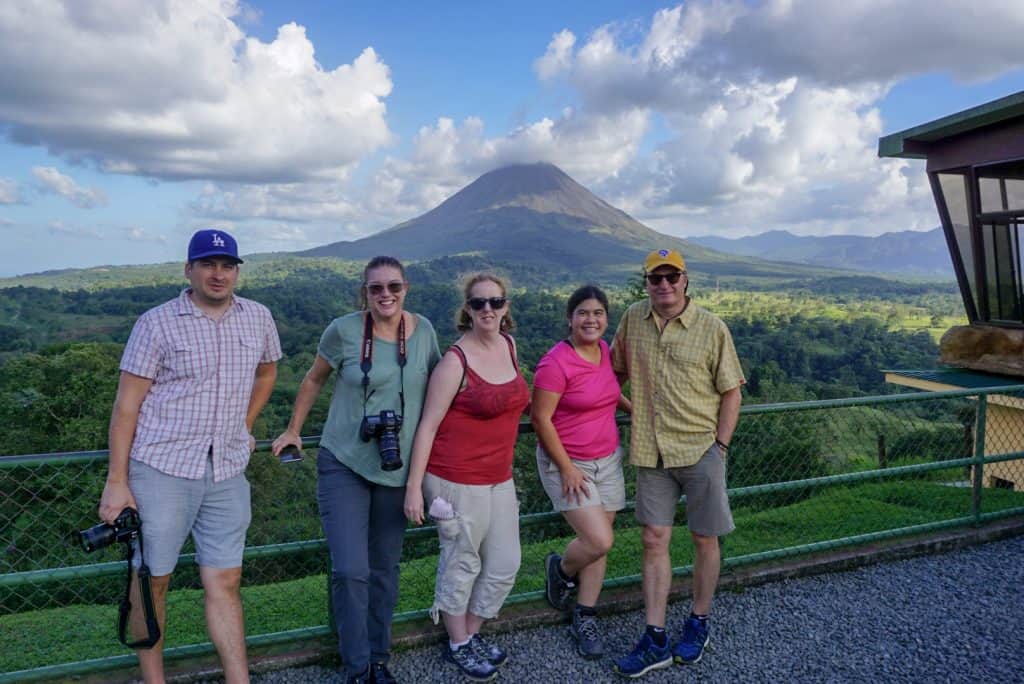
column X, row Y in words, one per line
column 488, row 651
column 643, row 658
column 557, row 590
column 695, row 639
column 472, row 666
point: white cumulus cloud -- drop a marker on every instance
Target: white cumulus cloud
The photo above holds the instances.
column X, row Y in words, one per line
column 175, row 89
column 558, row 56
column 768, row 113
column 52, row 181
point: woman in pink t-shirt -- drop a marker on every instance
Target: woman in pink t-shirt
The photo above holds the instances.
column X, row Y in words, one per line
column 575, row 394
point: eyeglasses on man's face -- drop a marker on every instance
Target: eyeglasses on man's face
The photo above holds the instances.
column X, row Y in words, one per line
column 656, row 278
column 478, row 303
column 394, row 287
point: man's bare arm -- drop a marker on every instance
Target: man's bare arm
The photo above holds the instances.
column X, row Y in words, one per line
column 266, row 375
column 131, row 390
column 728, row 414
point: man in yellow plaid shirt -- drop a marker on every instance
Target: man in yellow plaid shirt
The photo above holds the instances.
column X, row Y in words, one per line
column 685, row 383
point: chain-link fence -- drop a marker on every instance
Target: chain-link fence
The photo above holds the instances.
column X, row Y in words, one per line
column 802, row 476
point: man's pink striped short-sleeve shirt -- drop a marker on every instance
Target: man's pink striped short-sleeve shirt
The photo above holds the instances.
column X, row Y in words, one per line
column 203, row 372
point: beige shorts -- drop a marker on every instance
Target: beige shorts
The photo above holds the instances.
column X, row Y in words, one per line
column 480, row 551
column 707, row 504
column 606, row 485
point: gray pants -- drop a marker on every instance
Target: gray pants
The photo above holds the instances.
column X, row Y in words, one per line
column 364, row 525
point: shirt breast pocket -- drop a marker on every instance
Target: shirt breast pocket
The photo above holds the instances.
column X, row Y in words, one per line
column 689, row 355
column 186, row 362
column 249, row 351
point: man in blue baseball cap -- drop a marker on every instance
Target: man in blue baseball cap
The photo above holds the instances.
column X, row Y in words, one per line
column 211, row 243
column 195, row 374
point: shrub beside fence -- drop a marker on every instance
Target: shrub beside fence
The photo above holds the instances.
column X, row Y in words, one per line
column 803, row 477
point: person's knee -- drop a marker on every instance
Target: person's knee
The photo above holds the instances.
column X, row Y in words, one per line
column 221, row 582
column 703, row 543
column 601, row 542
column 349, row 568
column 656, row 538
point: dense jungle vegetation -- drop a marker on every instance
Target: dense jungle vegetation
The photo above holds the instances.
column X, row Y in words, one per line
column 59, row 349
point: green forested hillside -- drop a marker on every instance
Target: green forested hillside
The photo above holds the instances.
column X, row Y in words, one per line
column 59, row 349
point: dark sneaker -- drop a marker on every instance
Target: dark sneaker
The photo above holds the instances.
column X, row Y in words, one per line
column 379, row 674
column 361, row 678
column 695, row 639
column 585, row 633
column 643, row 658
column 472, row 666
column 485, row 650
column 557, row 590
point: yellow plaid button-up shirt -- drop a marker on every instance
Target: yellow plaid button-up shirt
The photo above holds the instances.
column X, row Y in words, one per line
column 677, row 377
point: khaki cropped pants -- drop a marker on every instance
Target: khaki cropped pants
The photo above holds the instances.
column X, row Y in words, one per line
column 480, row 550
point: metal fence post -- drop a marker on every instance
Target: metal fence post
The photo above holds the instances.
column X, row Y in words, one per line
column 979, row 458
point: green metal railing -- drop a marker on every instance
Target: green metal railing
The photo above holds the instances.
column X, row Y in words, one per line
column 804, row 477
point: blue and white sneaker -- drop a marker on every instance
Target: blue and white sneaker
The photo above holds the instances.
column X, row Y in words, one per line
column 695, row 639
column 643, row 658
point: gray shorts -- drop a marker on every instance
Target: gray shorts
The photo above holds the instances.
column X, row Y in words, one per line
column 606, row 485
column 216, row 514
column 707, row 504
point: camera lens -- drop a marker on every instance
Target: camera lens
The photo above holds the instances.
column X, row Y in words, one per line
column 390, row 458
column 96, row 537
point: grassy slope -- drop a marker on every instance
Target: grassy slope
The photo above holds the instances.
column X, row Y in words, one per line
column 53, row 636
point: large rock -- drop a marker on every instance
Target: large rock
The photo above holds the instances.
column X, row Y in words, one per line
column 984, row 348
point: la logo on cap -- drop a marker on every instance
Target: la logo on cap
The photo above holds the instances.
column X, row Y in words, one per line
column 663, row 252
column 218, row 241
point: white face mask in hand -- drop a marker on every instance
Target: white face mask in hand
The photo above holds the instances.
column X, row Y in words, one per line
column 441, row 509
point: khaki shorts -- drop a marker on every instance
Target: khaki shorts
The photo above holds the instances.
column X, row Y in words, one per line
column 480, row 551
column 707, row 504
column 606, row 485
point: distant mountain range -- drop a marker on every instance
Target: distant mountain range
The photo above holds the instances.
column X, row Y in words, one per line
column 906, row 253
column 536, row 222
column 536, row 214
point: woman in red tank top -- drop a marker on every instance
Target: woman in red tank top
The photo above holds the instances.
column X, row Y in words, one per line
column 461, row 465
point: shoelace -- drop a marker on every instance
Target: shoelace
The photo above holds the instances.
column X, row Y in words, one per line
column 482, row 648
column 466, row 657
column 588, row 628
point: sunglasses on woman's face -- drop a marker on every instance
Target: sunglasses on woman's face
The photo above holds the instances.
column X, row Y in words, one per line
column 478, row 303
column 656, row 278
column 394, row 287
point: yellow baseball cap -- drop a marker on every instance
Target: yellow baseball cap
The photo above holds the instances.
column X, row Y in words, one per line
column 664, row 257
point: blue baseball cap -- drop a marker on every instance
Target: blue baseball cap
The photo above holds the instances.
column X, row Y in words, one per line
column 210, row 243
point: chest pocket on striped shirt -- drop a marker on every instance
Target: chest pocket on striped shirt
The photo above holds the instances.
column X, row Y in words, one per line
column 249, row 351
column 187, row 362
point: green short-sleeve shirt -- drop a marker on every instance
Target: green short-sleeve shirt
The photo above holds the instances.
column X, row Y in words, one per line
column 340, row 346
column 677, row 377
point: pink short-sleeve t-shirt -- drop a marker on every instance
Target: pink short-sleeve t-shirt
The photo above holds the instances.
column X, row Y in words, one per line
column 585, row 415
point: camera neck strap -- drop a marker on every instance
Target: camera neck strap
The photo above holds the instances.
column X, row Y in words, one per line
column 366, row 360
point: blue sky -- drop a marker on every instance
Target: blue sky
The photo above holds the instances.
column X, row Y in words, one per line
column 125, row 126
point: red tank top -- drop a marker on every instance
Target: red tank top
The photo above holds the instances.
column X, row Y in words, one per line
column 476, row 440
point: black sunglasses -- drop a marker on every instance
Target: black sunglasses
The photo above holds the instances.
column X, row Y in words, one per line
column 394, row 287
column 478, row 303
column 672, row 278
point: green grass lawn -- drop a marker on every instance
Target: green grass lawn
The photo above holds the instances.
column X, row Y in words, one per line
column 58, row 635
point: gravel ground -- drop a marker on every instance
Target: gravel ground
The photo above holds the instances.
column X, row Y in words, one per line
column 956, row 617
